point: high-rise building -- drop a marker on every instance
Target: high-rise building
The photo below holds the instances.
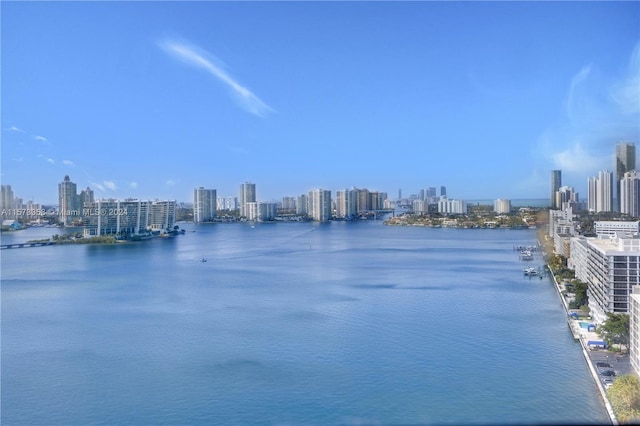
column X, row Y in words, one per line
column 556, row 183
column 363, row 200
column 247, row 195
column 443, row 191
column 227, row 203
column 129, row 217
column 600, row 192
column 346, row 204
column 7, row 202
column 204, row 204
column 609, row 267
column 630, row 194
column 260, row 211
column 447, row 206
column 502, row 206
column 566, row 195
column 85, row 197
column 625, row 162
column 68, row 208
column 320, row 204
column 302, row 204
column 289, row 204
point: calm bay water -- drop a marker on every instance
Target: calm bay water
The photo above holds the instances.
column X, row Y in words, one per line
column 288, row 324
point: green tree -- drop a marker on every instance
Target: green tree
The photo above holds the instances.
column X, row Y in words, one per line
column 615, row 330
column 580, row 290
column 624, row 395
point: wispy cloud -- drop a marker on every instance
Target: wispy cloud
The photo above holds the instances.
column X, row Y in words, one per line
column 575, row 99
column 51, row 161
column 626, row 94
column 68, row 163
column 40, row 138
column 104, row 186
column 600, row 111
column 97, row 185
column 201, row 59
column 15, row 129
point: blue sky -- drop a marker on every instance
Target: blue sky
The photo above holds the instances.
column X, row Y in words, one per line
column 149, row 100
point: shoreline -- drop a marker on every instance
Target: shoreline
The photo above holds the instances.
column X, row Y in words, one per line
column 572, row 324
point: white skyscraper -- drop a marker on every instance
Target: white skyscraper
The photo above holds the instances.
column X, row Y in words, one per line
column 320, row 204
column 346, row 203
column 600, row 192
column 247, row 195
column 204, row 205
column 630, row 194
column 502, row 206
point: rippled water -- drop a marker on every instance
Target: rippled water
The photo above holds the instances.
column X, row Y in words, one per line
column 289, row 324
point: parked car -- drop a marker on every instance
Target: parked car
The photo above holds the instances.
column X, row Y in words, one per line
column 609, row 373
column 600, row 364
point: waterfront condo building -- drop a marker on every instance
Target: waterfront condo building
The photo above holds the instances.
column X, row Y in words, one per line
column 128, row 217
column 204, row 205
column 630, row 194
column 502, row 206
column 319, row 204
column 347, row 204
column 634, row 329
column 227, row 203
column 447, row 206
column 68, row 205
column 302, row 204
column 610, row 267
column 247, row 195
column 261, row 211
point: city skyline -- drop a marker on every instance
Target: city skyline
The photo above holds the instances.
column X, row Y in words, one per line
column 152, row 100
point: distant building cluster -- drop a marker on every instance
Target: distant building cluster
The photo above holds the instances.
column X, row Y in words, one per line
column 606, row 192
column 609, row 262
column 127, row 218
column 318, row 205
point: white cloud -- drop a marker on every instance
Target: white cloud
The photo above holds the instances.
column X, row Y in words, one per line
column 15, row 129
column 133, row 184
column 97, row 185
column 601, row 110
column 626, row 94
column 576, row 101
column 110, row 185
column 200, row 59
column 68, row 163
column 40, row 138
column 50, row 161
column 576, row 159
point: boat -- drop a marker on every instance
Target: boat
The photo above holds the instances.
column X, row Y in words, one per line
column 203, row 260
column 530, row 272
